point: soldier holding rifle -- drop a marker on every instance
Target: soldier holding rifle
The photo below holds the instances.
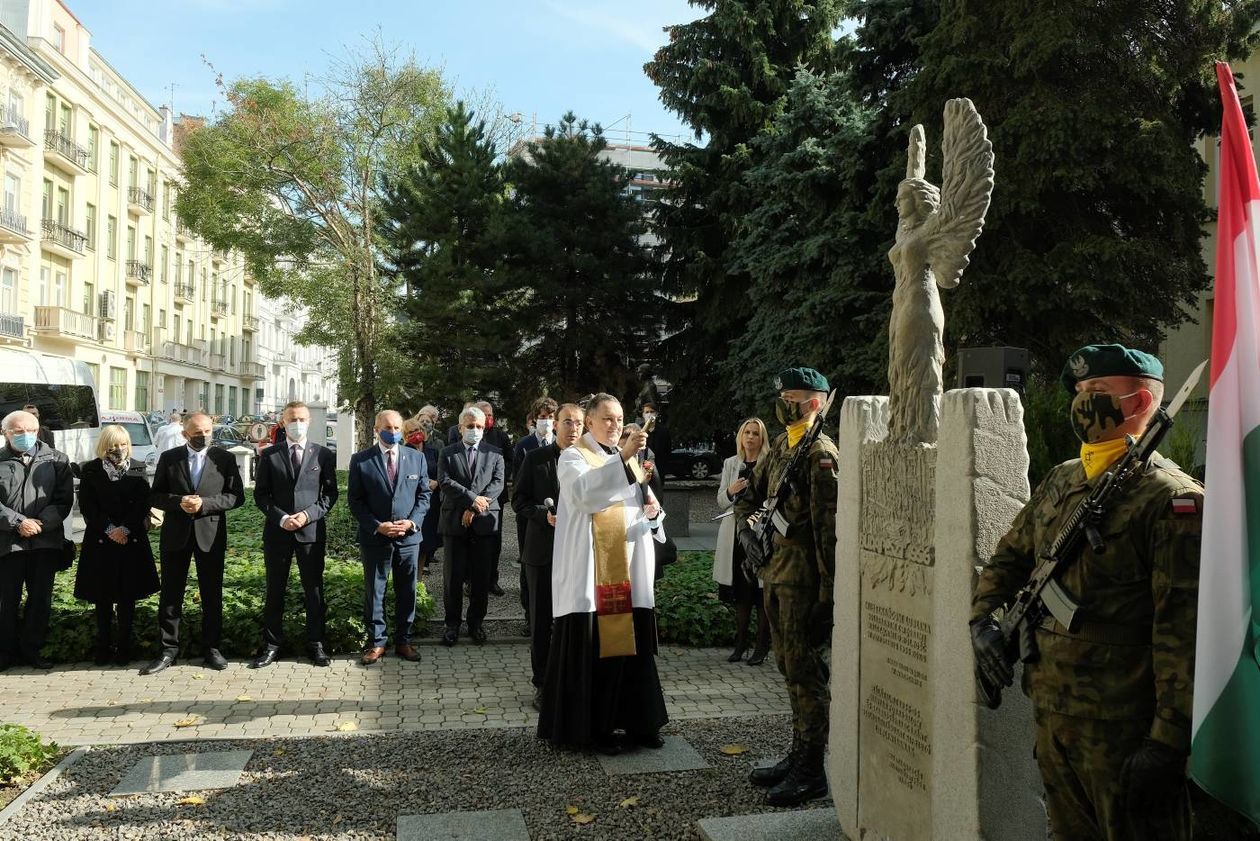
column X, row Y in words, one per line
column 1109, row 651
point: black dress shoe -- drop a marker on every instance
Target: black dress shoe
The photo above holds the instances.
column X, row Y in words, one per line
column 318, row 656
column 609, row 745
column 215, row 660
column 649, row 740
column 758, row 657
column 160, row 664
column 449, row 637
column 496, row 590
column 269, row 655
column 36, row 661
column 478, row 636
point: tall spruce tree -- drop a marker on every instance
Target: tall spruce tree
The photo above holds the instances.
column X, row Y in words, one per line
column 1095, row 231
column 574, row 256
column 442, row 240
column 723, row 74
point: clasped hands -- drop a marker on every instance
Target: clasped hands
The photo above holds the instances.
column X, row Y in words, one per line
column 293, row 522
column 30, row 527
column 117, row 534
column 395, row 528
column 480, row 505
column 190, row 504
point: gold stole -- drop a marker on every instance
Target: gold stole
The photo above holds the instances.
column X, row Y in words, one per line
column 613, row 607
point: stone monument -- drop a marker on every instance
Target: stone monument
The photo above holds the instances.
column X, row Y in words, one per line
column 928, row 484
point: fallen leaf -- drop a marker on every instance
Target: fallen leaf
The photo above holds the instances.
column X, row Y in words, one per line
column 583, row 818
column 191, row 800
column 111, row 807
column 337, row 819
column 480, row 711
column 345, row 726
column 243, row 698
column 733, row 750
column 191, row 721
column 198, row 677
column 146, row 700
column 679, row 653
column 111, row 703
column 628, row 802
column 278, row 752
column 571, row 810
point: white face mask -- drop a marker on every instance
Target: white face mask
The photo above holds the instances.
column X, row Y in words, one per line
column 473, row 436
column 296, row 430
column 543, row 427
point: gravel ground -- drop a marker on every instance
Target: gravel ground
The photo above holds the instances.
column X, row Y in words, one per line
column 355, row 787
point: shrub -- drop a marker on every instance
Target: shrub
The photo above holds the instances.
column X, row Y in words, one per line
column 73, row 630
column 688, row 611
column 21, row 751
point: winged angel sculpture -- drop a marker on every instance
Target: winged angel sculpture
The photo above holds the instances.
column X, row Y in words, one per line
column 936, row 232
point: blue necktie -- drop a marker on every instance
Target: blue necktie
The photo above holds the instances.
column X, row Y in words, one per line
column 198, row 463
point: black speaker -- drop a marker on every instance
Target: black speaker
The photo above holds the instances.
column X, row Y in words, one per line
column 993, row 367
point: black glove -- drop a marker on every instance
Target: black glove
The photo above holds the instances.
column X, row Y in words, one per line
column 990, row 648
column 753, row 549
column 1153, row 785
column 820, row 622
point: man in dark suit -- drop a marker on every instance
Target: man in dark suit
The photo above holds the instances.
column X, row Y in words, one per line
column 389, row 495
column 195, row 485
column 471, row 477
column 497, row 437
column 295, row 487
column 543, row 415
column 534, row 494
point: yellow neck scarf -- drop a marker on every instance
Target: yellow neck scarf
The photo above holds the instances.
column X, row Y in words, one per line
column 1096, row 458
column 796, row 431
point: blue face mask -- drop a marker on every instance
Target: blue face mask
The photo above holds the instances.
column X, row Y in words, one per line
column 23, row 441
column 389, row 437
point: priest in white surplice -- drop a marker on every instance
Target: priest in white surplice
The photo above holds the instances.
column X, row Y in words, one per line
column 601, row 670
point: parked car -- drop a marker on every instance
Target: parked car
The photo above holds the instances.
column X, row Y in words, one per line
column 695, row 462
column 227, row 436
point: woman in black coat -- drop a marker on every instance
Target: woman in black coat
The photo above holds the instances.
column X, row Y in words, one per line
column 418, row 434
column 116, row 563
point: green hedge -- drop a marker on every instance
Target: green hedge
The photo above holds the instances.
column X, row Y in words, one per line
column 688, row 611
column 73, row 631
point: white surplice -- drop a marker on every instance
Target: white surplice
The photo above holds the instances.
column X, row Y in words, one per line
column 585, row 490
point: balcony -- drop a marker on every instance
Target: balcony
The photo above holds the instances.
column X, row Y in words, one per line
column 219, row 309
column 65, row 153
column 187, row 354
column 64, row 240
column 138, row 273
column 13, row 227
column 218, row 362
column 253, row 371
column 250, row 323
column 12, row 328
column 15, row 130
column 184, row 293
column 139, row 202
column 135, row 342
column 182, row 233
column 61, row 323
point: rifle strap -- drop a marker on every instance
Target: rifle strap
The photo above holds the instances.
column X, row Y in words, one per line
column 1103, row 633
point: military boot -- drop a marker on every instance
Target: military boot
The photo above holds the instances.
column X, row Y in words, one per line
column 777, row 772
column 805, row 781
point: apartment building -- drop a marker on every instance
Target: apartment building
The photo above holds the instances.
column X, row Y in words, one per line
column 294, row 372
column 94, row 263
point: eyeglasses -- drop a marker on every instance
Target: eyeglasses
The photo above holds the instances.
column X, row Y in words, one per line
column 571, row 423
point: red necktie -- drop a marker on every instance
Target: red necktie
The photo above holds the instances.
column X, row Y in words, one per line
column 297, row 459
column 390, row 467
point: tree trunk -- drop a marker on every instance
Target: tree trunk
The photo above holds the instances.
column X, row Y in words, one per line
column 365, row 357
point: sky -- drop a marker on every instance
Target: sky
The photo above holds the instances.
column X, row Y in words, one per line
column 536, row 57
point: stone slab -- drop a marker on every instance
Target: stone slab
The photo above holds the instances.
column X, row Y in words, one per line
column 676, row 755
column 496, row 825
column 184, row 772
column 806, row 825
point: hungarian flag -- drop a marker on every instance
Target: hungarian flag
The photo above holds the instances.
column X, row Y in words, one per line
column 1225, row 746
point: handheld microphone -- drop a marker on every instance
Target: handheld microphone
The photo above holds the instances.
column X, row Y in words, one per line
column 550, row 505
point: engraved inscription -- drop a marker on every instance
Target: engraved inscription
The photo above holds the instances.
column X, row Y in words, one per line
column 896, row 630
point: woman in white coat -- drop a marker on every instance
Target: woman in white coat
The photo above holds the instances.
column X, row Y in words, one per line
column 751, row 446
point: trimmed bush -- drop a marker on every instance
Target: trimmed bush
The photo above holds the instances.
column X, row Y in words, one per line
column 688, row 611
column 73, row 630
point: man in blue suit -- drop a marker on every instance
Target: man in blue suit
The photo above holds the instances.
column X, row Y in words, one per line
column 471, row 477
column 389, row 495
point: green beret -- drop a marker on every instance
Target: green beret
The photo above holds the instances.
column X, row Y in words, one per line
column 1109, row 361
column 805, row 379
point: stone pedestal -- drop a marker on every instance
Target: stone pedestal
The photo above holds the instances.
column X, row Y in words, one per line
column 913, row 755
column 245, row 463
column 345, row 439
column 318, row 431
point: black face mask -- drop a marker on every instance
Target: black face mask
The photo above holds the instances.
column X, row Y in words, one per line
column 116, row 455
column 787, row 411
column 197, row 442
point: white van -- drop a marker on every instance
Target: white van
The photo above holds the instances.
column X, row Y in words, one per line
column 63, row 390
column 142, row 448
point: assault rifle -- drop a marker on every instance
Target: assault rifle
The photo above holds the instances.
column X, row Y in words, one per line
column 768, row 520
column 1043, row 595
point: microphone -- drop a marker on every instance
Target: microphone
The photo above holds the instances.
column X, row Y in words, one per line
column 550, row 505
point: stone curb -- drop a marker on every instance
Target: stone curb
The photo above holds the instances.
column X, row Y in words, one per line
column 42, row 783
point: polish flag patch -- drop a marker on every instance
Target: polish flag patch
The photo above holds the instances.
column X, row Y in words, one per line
column 1185, row 505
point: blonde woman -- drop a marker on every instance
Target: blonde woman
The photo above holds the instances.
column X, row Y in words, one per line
column 116, row 564
column 751, row 447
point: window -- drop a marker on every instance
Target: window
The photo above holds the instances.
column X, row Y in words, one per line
column 131, row 242
column 48, row 199
column 89, row 219
column 113, row 163
column 95, row 370
column 161, row 319
column 94, row 148
column 166, row 259
column 148, row 251
column 117, row 388
column 17, row 106
column 133, row 172
column 146, row 316
column 232, row 352
column 60, row 406
column 59, row 38
column 111, row 237
column 59, row 288
column 142, row 391
column 129, row 313
column 12, row 192
column 50, row 113
column 175, row 332
column 66, row 124
column 63, row 206
column 8, row 291
column 218, row 399
column 166, row 200
column 232, row 400
column 89, row 299
column 45, row 275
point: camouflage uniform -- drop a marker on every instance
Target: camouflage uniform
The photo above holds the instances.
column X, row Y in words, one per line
column 1127, row 673
column 799, row 576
